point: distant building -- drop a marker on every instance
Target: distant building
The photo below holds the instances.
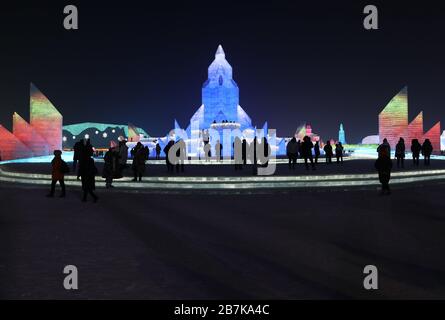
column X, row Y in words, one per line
column 341, row 134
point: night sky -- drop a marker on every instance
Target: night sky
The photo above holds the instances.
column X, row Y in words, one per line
column 133, row 61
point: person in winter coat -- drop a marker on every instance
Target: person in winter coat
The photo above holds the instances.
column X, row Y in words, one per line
column 339, row 152
column 292, row 153
column 59, row 169
column 167, row 158
column 111, row 167
column 427, row 150
column 415, row 149
column 384, row 165
column 400, row 153
column 306, row 152
column 158, row 151
column 139, row 163
column 316, row 151
column 385, row 144
column 77, row 148
column 88, row 173
column 328, row 152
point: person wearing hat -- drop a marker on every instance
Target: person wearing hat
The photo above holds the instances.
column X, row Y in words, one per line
column 59, row 169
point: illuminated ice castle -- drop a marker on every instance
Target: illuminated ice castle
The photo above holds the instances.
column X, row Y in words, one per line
column 220, row 108
column 220, row 97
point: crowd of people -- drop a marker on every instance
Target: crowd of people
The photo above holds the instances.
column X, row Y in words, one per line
column 115, row 159
column 297, row 149
column 383, row 163
column 83, row 162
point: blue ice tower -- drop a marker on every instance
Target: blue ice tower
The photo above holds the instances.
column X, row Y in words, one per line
column 220, row 93
column 341, row 134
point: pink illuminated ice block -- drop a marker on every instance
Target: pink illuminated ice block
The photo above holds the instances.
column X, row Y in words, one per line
column 45, row 119
column 29, row 136
column 11, row 147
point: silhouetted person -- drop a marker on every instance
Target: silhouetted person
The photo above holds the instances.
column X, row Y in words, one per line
column 316, row 152
column 123, row 156
column 181, row 155
column 238, row 153
column 58, row 170
column 244, row 151
column 111, row 167
column 339, row 152
column 292, row 153
column 328, row 152
column 385, row 145
column 306, row 152
column 77, row 153
column 135, row 149
column 134, row 164
column 88, row 172
column 207, row 152
column 218, row 150
column 415, row 149
column 400, row 153
column 167, row 159
column 383, row 165
column 158, row 151
column 139, row 163
column 86, row 152
column 427, row 150
column 299, row 149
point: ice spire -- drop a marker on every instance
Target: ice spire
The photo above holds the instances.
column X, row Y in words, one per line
column 220, row 51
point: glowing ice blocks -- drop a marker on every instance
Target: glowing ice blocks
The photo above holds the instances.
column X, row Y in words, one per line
column 45, row 118
column 414, row 130
column 220, row 96
column 393, row 120
column 29, row 136
column 133, row 133
column 341, row 134
column 11, row 147
column 393, row 124
column 434, row 135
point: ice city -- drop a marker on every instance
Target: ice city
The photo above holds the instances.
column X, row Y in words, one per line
column 219, row 119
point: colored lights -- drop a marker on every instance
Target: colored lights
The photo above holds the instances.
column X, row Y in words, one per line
column 393, row 124
column 341, row 134
column 40, row 137
column 45, row 118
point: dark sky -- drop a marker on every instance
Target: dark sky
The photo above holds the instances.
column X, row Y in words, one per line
column 142, row 62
